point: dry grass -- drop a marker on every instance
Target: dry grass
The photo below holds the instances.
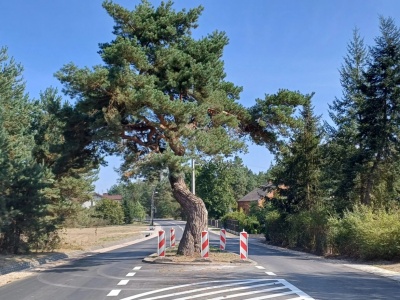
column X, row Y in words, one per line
column 87, row 238
column 74, row 239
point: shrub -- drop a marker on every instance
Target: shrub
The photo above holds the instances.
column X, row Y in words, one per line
column 367, row 233
column 111, row 211
column 276, row 228
column 249, row 223
column 309, row 230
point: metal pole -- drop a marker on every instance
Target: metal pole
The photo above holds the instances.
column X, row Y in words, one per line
column 193, row 179
column 152, row 208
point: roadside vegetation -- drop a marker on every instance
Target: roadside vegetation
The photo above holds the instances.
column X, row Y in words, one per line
column 159, row 100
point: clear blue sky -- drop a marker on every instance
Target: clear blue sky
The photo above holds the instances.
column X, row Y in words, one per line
column 297, row 45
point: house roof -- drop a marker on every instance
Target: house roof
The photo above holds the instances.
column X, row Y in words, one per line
column 112, row 197
column 254, row 195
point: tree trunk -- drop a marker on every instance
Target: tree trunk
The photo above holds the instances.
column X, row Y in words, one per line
column 196, row 214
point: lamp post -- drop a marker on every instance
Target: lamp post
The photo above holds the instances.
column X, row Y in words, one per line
column 152, row 208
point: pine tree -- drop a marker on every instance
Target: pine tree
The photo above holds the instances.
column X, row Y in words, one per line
column 343, row 149
column 379, row 124
column 298, row 164
column 26, row 211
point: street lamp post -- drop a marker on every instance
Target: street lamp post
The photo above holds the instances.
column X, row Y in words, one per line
column 152, row 208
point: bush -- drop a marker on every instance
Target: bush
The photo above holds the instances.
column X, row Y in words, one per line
column 111, row 211
column 249, row 223
column 367, row 233
column 276, row 228
column 309, row 230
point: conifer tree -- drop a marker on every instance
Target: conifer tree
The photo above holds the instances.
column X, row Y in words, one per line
column 380, row 121
column 343, row 149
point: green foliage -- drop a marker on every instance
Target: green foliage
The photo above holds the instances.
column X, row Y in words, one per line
column 246, row 222
column 133, row 211
column 84, row 217
column 367, row 233
column 298, row 164
column 309, row 230
column 111, row 211
column 27, row 209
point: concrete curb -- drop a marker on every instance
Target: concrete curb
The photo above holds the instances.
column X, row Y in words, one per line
column 34, row 263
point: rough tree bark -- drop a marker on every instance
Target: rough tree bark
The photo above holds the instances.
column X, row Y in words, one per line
column 196, row 214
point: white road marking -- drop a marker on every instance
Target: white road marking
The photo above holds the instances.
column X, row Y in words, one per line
column 123, row 282
column 136, row 268
column 272, row 296
column 114, row 293
column 224, row 291
column 239, row 281
column 252, row 285
column 270, row 273
column 131, row 274
column 260, row 267
column 237, row 289
column 251, row 293
column 295, row 289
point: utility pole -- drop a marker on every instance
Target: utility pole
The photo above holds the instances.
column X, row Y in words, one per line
column 193, row 178
column 152, row 207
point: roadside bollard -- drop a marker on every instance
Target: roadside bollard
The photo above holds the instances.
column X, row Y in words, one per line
column 204, row 244
column 172, row 237
column 244, row 242
column 222, row 239
column 161, row 243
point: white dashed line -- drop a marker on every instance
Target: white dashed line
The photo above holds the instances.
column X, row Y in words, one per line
column 123, row 282
column 260, row 267
column 270, row 273
column 131, row 274
column 136, row 268
column 114, row 293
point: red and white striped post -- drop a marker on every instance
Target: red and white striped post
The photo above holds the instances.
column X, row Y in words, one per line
column 172, row 237
column 204, row 244
column 161, row 243
column 244, row 242
column 222, row 239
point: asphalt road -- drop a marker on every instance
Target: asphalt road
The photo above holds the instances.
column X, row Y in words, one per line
column 277, row 274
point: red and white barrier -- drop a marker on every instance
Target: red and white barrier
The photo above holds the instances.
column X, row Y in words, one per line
column 222, row 239
column 172, row 237
column 205, row 249
column 161, row 243
column 244, row 242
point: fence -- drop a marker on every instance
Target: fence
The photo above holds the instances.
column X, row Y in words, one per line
column 231, row 226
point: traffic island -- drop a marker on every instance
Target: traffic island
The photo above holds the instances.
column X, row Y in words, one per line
column 216, row 256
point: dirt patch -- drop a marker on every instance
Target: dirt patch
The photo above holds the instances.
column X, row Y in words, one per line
column 215, row 256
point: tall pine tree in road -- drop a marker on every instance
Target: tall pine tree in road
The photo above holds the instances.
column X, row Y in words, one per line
column 164, row 95
column 161, row 98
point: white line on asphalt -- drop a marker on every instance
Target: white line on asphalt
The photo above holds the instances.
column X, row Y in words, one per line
column 236, row 281
column 114, row 293
column 123, row 282
column 131, row 274
column 260, row 267
column 272, row 296
column 252, row 292
column 136, row 268
column 270, row 273
column 295, row 289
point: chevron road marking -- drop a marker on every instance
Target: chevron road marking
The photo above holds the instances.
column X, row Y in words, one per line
column 210, row 288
